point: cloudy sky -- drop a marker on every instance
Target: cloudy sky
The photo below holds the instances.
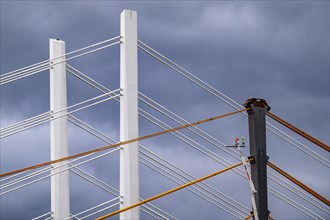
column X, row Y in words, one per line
column 275, row 50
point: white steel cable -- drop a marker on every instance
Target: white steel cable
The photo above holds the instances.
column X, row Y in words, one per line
column 44, row 65
column 11, row 177
column 290, row 140
column 23, row 75
column 75, row 217
column 219, row 95
column 115, row 193
column 25, row 121
column 110, row 189
column 92, row 181
column 300, row 193
column 293, row 203
column 189, row 141
column 197, row 131
column 86, row 101
column 101, row 210
column 78, row 164
column 66, row 163
column 87, row 79
column 24, row 69
column 153, row 212
column 189, row 188
column 88, row 52
column 7, row 134
column 169, row 216
column 145, row 210
column 24, row 178
column 24, row 127
column 175, row 67
column 106, row 187
column 90, row 129
column 42, row 116
column 94, row 207
column 203, row 186
column 188, row 176
column 44, row 215
column 44, row 120
column 39, row 172
column 88, row 47
column 72, row 52
column 198, row 188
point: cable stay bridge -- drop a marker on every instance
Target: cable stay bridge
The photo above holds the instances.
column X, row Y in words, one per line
column 126, row 202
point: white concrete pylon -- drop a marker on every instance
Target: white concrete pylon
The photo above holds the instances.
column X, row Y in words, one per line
column 60, row 191
column 129, row 127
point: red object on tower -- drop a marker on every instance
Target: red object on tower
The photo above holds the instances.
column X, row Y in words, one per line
column 237, row 141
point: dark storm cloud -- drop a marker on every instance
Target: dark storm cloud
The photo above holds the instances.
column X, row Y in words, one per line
column 275, row 50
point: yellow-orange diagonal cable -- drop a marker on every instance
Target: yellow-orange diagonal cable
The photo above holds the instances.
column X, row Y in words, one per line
column 171, row 190
column 120, row 143
column 298, row 131
column 300, row 184
column 250, row 216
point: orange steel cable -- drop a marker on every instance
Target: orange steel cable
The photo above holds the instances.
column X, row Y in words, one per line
column 297, row 182
column 298, row 131
column 120, row 143
column 250, row 216
column 171, row 190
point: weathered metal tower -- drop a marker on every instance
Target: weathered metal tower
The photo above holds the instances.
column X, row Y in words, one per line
column 257, row 136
